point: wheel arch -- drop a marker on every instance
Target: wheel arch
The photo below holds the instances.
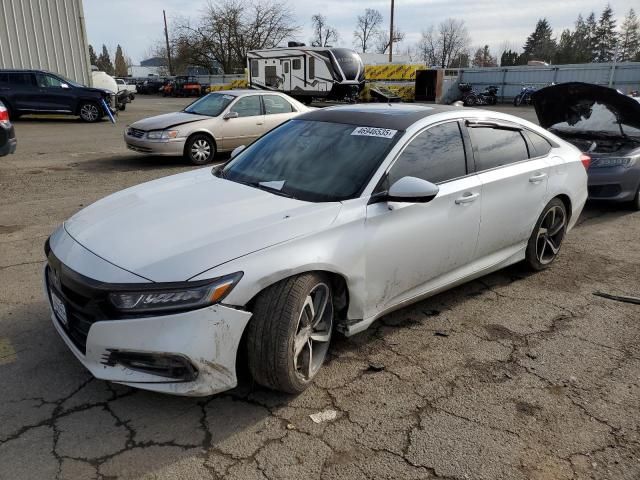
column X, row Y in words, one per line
column 200, row 132
column 564, row 198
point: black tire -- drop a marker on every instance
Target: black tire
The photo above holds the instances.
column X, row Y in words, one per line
column 546, row 238
column 281, row 321
column 635, row 203
column 90, row 112
column 132, row 97
column 470, row 100
column 200, row 149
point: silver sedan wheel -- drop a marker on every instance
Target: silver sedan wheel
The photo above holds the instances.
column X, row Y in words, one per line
column 201, row 150
column 313, row 332
column 550, row 235
column 89, row 112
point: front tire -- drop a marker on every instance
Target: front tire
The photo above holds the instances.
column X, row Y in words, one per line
column 200, row 149
column 90, row 112
column 548, row 233
column 289, row 334
column 470, row 100
column 635, row 203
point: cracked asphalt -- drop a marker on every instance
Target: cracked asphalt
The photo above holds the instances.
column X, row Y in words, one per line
column 513, row 376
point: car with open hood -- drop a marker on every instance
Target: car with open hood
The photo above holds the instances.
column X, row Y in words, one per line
column 324, row 224
column 217, row 122
column 603, row 123
column 8, row 140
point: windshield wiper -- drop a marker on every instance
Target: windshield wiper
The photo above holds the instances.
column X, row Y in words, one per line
column 269, row 189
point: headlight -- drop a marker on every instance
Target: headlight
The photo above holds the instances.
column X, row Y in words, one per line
column 183, row 297
column 162, row 134
column 613, row 162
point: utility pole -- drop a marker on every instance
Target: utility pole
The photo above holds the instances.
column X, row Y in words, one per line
column 166, row 37
column 391, row 36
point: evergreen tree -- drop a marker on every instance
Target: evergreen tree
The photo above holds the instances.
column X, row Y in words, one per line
column 582, row 43
column 592, row 33
column 93, row 58
column 483, row 58
column 566, row 51
column 121, row 67
column 540, row 45
column 104, row 61
column 606, row 37
column 630, row 38
column 509, row 58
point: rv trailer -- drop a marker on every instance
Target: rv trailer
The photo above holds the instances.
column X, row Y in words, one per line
column 307, row 72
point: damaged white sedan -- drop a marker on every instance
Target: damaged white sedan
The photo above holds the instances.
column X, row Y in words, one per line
column 324, row 224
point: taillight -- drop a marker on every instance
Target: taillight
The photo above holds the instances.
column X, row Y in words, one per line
column 4, row 115
column 586, row 161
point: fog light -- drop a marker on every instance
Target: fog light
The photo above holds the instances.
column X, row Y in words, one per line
column 172, row 366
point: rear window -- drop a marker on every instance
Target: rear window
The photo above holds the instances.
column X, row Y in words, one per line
column 497, row 147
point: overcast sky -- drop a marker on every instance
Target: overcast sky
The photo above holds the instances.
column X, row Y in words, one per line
column 137, row 24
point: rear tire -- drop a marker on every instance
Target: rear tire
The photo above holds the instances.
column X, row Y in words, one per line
column 470, row 100
column 546, row 238
column 90, row 112
column 200, row 149
column 289, row 334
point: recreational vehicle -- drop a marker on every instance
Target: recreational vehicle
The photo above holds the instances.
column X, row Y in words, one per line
column 307, row 72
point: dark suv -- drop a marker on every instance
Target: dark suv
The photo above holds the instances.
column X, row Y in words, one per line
column 40, row 92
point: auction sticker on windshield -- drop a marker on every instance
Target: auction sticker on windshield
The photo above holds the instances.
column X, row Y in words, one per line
column 374, row 132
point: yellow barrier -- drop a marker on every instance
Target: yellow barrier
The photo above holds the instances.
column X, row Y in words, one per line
column 228, row 86
column 391, row 72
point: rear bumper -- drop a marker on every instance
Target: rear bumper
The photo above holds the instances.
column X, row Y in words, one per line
column 207, row 339
column 616, row 184
column 173, row 147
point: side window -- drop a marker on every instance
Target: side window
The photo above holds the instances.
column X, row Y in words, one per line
column 286, row 67
column 312, row 68
column 435, row 155
column 22, row 79
column 47, row 81
column 274, row 104
column 255, row 68
column 540, row 144
column 248, row 106
column 495, row 147
column 296, row 64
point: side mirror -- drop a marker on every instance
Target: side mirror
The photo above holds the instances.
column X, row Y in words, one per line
column 412, row 190
column 229, row 115
column 64, row 85
column 237, row 150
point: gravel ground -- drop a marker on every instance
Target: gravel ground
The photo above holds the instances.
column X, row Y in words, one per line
column 512, row 376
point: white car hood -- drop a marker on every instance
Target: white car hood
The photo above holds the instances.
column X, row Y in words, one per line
column 176, row 227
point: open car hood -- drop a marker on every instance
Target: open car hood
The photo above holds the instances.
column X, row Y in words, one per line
column 571, row 102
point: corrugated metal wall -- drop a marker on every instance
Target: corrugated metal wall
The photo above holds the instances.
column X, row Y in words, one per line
column 510, row 80
column 45, row 34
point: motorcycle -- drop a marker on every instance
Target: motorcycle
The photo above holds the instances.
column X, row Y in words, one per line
column 524, row 97
column 471, row 97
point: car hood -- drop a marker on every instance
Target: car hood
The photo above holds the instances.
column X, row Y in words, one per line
column 570, row 102
column 167, row 120
column 177, row 227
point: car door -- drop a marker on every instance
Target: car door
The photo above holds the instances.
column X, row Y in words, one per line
column 412, row 246
column 514, row 187
column 286, row 75
column 246, row 126
column 276, row 111
column 55, row 95
column 22, row 91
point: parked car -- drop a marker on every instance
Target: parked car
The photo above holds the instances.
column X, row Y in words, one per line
column 8, row 140
column 104, row 81
column 217, row 122
column 124, row 86
column 605, row 124
column 324, row 224
column 40, row 92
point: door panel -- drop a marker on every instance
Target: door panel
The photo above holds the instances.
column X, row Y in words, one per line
column 245, row 128
column 412, row 244
column 286, row 75
column 277, row 110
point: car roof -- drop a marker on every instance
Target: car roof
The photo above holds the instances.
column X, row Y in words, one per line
column 393, row 116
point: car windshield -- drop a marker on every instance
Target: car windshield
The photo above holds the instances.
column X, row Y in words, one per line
column 590, row 116
column 313, row 161
column 210, row 105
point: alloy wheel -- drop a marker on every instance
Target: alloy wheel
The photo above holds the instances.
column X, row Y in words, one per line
column 89, row 112
column 200, row 150
column 550, row 235
column 313, row 332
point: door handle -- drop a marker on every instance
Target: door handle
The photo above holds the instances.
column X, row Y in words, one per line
column 468, row 197
column 537, row 178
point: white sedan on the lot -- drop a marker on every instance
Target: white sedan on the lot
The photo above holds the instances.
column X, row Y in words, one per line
column 326, row 223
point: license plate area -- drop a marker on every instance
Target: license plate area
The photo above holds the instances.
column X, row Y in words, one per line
column 59, row 309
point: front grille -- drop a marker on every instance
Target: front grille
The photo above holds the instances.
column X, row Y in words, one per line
column 137, row 133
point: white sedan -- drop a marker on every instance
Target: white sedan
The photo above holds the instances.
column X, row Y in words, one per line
column 326, row 223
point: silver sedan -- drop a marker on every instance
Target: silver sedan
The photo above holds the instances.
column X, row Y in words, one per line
column 218, row 122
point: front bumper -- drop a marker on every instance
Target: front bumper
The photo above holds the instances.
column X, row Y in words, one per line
column 173, row 147
column 616, row 184
column 208, row 338
column 8, row 140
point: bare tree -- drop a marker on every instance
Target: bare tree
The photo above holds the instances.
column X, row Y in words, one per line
column 427, row 47
column 453, row 38
column 382, row 39
column 228, row 29
column 367, row 28
column 323, row 34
